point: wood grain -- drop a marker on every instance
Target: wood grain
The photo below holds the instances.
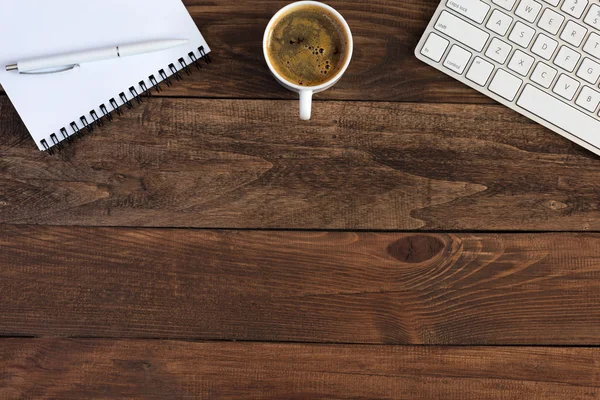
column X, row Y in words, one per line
column 365, row 164
column 383, row 67
column 392, row 288
column 91, row 369
column 253, row 164
column 386, row 33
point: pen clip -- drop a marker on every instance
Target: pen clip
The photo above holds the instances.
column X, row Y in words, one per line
column 52, row 70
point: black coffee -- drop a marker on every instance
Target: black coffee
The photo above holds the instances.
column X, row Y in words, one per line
column 308, row 45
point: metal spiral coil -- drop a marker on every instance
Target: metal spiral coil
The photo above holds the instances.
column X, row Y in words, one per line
column 87, row 124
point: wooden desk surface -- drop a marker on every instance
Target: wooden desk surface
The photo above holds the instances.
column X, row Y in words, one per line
column 208, row 244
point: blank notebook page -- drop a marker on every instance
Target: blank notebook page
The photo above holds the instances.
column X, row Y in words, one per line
column 33, row 28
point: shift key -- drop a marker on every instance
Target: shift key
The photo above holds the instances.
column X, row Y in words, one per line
column 461, row 31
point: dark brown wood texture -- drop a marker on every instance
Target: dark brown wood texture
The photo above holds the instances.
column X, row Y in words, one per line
column 383, row 66
column 87, row 248
column 251, row 164
column 91, row 369
column 388, row 288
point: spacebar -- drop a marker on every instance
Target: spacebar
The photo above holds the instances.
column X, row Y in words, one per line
column 560, row 114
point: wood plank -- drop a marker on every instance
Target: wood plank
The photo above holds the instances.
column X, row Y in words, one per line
column 390, row 288
column 254, row 164
column 383, row 67
column 90, row 369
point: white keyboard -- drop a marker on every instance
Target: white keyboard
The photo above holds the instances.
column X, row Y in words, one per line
column 540, row 58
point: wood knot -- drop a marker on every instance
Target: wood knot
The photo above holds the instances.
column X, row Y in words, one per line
column 415, row 249
column 133, row 364
column 555, row 205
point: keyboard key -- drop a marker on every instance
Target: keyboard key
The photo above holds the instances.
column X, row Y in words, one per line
column 552, row 2
column 498, row 50
column 559, row 114
column 543, row 74
column 462, row 31
column 528, row 10
column 566, row 87
column 574, row 7
column 592, row 18
column 589, row 71
column 567, row 58
column 521, row 34
column 588, row 99
column 434, row 47
column 592, row 46
column 521, row 63
column 475, row 10
column 457, row 59
column 551, row 21
column 573, row 33
column 544, row 46
column 506, row 4
column 505, row 85
column 480, row 71
column 499, row 22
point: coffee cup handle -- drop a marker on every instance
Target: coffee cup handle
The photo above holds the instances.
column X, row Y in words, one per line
column 305, row 104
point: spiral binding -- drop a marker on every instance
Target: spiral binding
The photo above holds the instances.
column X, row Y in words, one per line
column 85, row 124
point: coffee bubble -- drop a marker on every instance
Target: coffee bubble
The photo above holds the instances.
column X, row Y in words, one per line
column 306, row 45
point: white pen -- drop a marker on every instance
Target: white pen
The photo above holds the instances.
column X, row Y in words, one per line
column 70, row 60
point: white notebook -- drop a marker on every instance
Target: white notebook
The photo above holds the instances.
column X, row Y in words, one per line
column 57, row 106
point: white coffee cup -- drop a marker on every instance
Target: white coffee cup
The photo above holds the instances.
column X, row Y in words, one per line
column 306, row 92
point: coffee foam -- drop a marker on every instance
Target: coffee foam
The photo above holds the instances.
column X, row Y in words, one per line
column 307, row 46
